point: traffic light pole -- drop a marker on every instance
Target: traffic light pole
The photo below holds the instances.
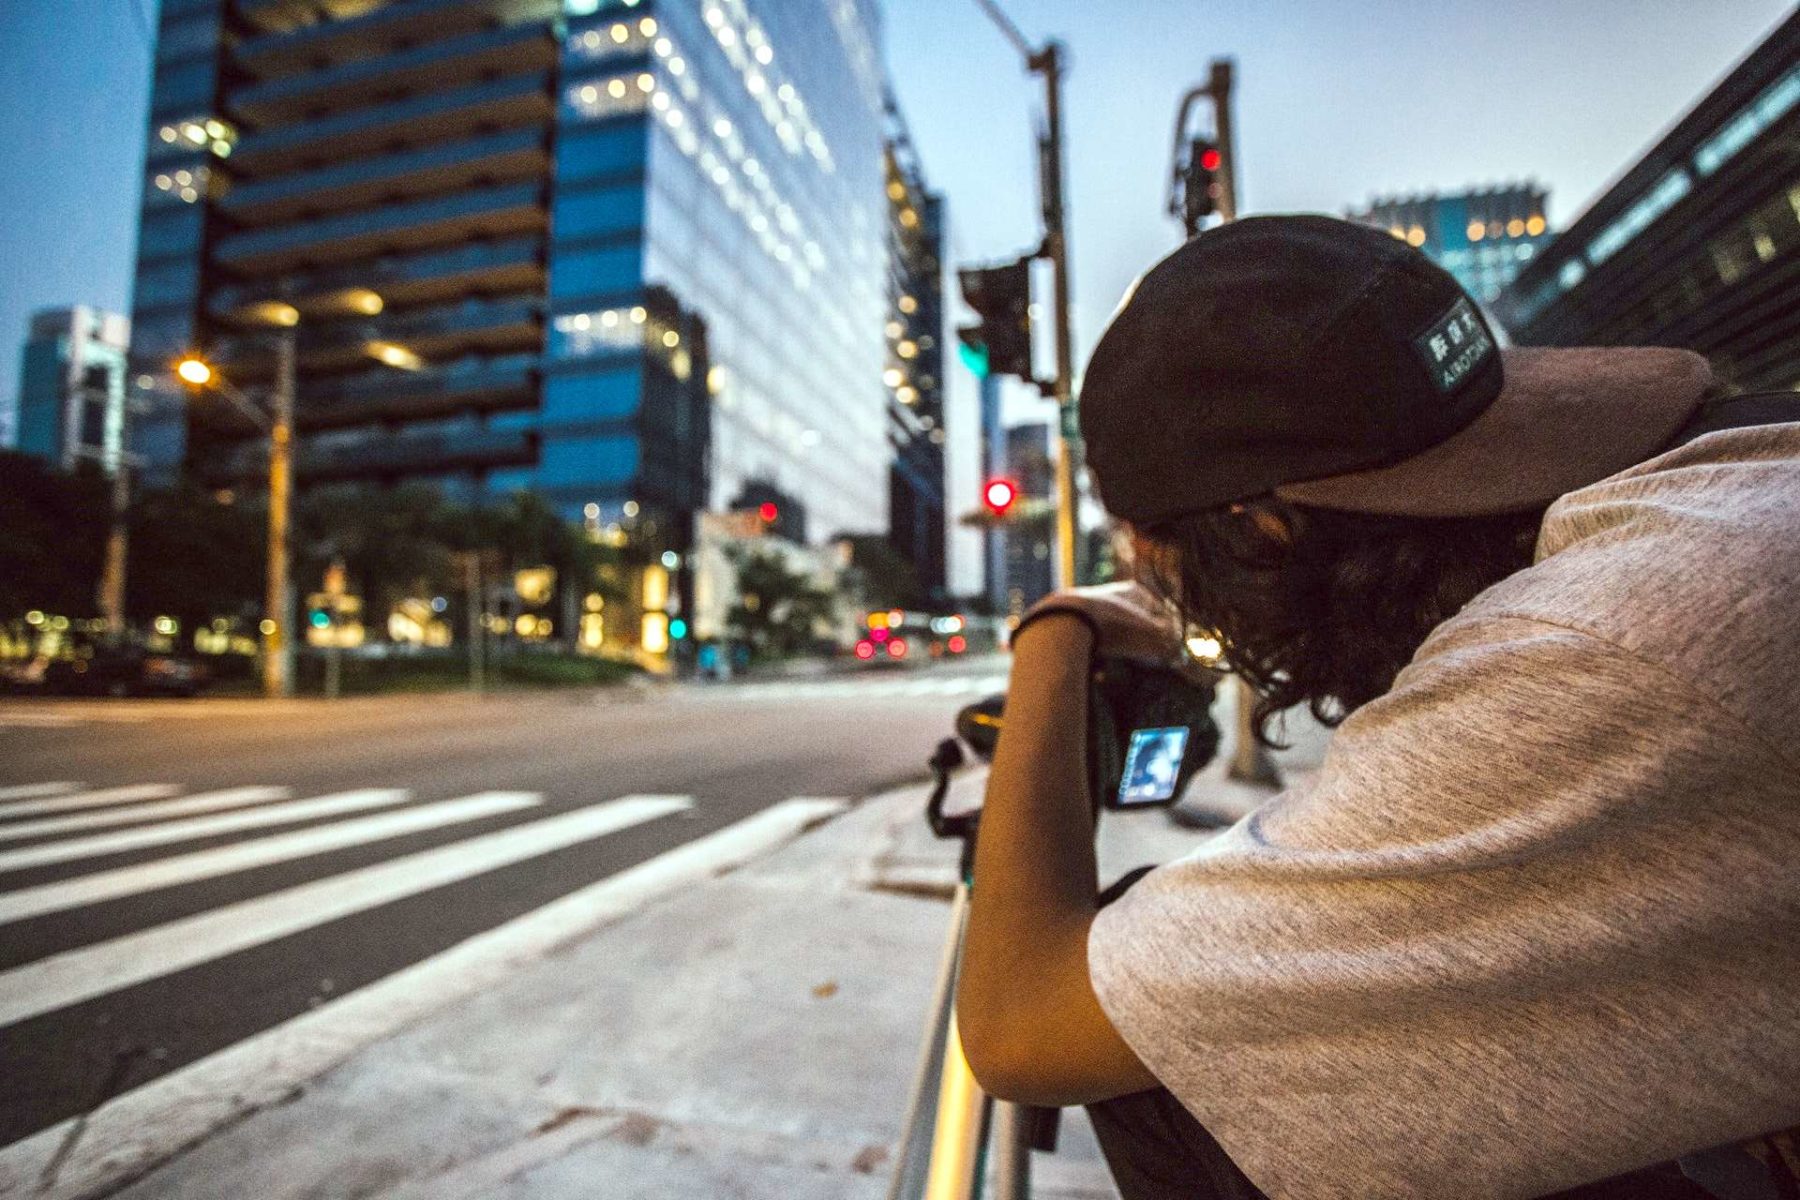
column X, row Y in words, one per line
column 278, row 651
column 1048, row 62
column 1250, row 761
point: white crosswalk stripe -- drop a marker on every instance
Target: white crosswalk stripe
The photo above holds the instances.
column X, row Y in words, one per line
column 282, row 847
column 112, row 1140
column 76, row 975
column 204, row 802
column 120, row 954
column 198, row 827
column 48, row 802
column 29, row 791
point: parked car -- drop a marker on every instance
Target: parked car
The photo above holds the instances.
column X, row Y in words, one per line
column 23, row 675
column 123, row 670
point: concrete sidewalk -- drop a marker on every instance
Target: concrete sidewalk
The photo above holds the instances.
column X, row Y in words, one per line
column 753, row 1037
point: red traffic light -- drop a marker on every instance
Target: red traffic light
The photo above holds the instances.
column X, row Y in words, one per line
column 1211, row 159
column 768, row 512
column 998, row 495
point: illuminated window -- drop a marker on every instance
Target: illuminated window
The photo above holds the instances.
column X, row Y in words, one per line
column 1741, row 130
column 186, row 183
column 1667, row 193
column 203, row 132
column 595, row 99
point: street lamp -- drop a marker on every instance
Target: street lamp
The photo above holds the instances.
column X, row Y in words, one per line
column 191, row 369
column 194, row 371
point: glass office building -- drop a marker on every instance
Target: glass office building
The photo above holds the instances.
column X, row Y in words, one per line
column 73, row 389
column 1484, row 238
column 628, row 254
column 1698, row 243
column 915, row 364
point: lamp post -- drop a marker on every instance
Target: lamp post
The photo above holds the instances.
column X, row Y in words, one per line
column 278, row 647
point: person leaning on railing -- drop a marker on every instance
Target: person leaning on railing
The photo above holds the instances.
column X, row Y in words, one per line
column 1534, row 928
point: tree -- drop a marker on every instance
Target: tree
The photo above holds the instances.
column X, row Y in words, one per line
column 778, row 610
column 194, row 557
column 393, row 542
column 888, row 578
column 52, row 536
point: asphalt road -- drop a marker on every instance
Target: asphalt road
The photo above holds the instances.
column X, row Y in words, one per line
column 156, row 856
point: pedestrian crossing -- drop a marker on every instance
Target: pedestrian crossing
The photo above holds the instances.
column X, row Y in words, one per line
column 871, row 687
column 128, row 842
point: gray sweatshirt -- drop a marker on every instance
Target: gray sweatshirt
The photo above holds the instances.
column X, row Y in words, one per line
column 1537, row 919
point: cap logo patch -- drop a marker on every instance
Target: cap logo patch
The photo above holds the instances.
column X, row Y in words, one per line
column 1454, row 347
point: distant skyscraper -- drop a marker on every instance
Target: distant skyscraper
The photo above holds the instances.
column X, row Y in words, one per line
column 625, row 254
column 1030, row 566
column 1484, row 238
column 915, row 371
column 73, row 388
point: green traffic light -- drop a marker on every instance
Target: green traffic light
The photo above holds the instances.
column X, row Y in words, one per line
column 320, row 618
column 975, row 357
column 677, row 629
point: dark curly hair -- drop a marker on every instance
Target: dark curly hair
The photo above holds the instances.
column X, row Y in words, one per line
column 1317, row 607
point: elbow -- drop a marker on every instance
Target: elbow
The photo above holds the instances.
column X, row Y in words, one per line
column 1008, row 1066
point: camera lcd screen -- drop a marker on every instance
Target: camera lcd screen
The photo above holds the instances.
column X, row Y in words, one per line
column 1152, row 765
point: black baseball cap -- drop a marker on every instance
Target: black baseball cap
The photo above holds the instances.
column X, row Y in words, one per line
column 1329, row 363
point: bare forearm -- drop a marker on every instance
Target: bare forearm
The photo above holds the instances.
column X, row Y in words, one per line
column 1030, row 1021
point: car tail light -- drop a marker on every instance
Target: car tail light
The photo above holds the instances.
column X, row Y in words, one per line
column 897, row 648
column 865, row 650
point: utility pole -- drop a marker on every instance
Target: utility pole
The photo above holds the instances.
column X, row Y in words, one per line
column 112, row 577
column 278, row 649
column 1250, row 761
column 472, row 584
column 1047, row 61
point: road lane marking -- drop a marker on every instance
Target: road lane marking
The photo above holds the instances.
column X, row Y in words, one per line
column 243, row 856
column 59, row 719
column 29, row 791
column 204, row 802
column 82, row 974
column 21, row 720
column 132, row 1134
column 199, row 827
column 98, row 799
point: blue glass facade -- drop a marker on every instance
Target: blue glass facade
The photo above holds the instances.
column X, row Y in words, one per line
column 629, row 254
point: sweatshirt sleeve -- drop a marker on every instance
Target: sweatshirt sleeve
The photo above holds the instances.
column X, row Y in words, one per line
column 1479, row 920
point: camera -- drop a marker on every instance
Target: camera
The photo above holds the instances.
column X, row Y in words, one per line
column 1150, row 729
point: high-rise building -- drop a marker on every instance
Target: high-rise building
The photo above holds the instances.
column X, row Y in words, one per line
column 1030, row 563
column 1484, row 238
column 625, row 254
column 915, row 370
column 1698, row 243
column 74, row 388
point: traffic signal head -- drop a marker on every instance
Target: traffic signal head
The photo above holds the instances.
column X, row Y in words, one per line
column 998, row 495
column 319, row 618
column 1201, row 187
column 1001, row 297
